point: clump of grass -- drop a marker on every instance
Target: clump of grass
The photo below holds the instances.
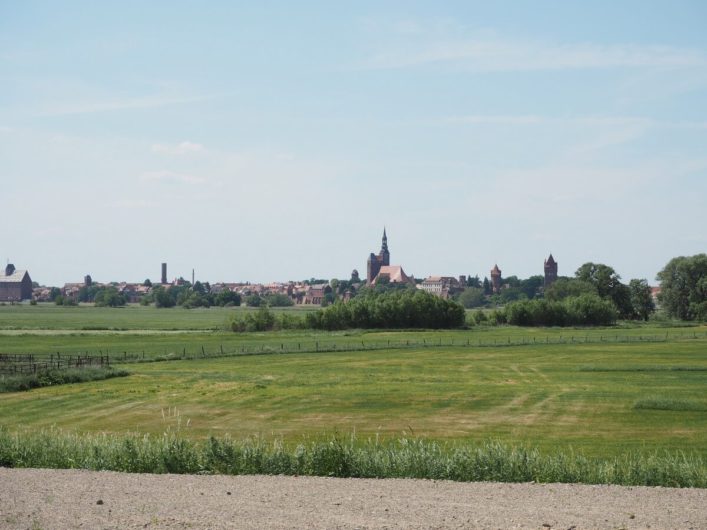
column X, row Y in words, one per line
column 19, row 383
column 339, row 457
column 661, row 403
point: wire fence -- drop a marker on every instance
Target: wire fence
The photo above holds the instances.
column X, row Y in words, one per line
column 21, row 363
column 32, row 363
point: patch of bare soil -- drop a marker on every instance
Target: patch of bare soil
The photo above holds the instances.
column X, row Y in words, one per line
column 38, row 498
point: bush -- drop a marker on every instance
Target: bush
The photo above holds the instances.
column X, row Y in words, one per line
column 584, row 310
column 19, row 383
column 393, row 309
column 227, row 298
column 109, row 297
column 278, row 300
column 253, row 300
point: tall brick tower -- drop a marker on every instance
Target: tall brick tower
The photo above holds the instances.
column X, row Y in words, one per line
column 496, row 279
column 375, row 263
column 550, row 271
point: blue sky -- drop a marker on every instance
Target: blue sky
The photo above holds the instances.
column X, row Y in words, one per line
column 272, row 141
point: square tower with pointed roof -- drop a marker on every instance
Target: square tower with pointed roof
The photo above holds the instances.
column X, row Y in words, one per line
column 375, row 262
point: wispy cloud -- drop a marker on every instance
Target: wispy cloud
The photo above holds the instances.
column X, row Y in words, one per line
column 166, row 175
column 183, row 148
column 495, row 54
column 87, row 106
column 585, row 121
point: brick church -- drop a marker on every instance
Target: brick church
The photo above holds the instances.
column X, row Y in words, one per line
column 378, row 266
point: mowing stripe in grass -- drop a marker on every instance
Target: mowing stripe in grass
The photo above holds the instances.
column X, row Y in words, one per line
column 662, row 403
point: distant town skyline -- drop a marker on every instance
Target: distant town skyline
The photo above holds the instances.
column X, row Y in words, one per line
column 273, row 143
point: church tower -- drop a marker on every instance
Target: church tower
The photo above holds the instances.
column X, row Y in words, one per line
column 375, row 263
column 550, row 271
column 496, row 279
column 384, row 253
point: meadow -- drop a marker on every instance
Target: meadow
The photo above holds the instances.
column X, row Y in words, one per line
column 599, row 392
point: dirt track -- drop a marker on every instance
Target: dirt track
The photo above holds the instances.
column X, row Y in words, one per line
column 35, row 498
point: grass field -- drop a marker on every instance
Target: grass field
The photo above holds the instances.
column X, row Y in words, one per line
column 627, row 388
column 47, row 316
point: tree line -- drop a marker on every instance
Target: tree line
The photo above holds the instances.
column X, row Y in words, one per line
column 594, row 295
column 405, row 308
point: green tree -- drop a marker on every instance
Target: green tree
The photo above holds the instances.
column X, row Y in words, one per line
column 473, row 282
column 199, row 288
column 511, row 281
column 109, row 297
column 472, row 297
column 511, row 294
column 227, row 297
column 566, row 287
column 487, row 286
column 531, row 286
column 164, row 297
column 641, row 299
column 278, row 300
column 683, row 287
column 253, row 300
column 601, row 276
column 608, row 285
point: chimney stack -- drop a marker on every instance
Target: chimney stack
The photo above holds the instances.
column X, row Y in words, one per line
column 164, row 273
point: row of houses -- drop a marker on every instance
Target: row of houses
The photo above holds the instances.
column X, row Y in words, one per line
column 300, row 293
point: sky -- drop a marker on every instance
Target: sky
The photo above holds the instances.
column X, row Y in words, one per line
column 273, row 141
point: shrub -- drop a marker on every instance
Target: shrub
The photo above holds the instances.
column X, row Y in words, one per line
column 405, row 308
column 583, row 310
column 23, row 382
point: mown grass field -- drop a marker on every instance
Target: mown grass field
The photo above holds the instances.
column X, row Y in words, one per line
column 46, row 316
column 602, row 398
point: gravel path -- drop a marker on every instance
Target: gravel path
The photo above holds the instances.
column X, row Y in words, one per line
column 38, row 498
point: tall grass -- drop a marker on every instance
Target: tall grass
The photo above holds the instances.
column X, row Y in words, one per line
column 343, row 457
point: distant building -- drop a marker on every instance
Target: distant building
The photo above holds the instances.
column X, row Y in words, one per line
column 393, row 274
column 442, row 286
column 316, row 293
column 379, row 267
column 496, row 279
column 550, row 271
column 376, row 262
column 15, row 285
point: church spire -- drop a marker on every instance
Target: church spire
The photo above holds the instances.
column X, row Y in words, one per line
column 384, row 246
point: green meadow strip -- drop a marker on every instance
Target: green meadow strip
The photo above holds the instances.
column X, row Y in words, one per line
column 338, row 456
